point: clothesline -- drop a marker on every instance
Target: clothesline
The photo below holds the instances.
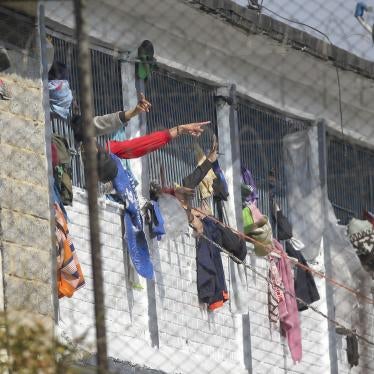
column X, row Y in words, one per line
column 301, row 266
column 314, row 309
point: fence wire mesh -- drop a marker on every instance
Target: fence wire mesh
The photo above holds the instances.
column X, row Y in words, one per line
column 130, row 243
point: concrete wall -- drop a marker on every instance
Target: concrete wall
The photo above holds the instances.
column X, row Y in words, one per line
column 25, row 216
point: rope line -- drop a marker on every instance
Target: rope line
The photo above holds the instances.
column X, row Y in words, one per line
column 296, row 263
column 314, row 309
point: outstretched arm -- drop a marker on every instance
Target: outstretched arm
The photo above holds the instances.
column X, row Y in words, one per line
column 142, row 145
column 194, row 129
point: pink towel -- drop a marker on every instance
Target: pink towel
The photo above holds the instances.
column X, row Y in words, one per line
column 288, row 312
column 256, row 214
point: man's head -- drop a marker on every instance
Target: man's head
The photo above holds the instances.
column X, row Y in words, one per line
column 77, row 126
column 58, row 71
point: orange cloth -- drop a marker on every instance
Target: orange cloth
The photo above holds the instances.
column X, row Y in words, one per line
column 69, row 273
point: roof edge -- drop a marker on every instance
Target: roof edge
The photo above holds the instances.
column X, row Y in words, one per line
column 251, row 21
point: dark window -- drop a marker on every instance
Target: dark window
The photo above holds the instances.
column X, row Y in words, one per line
column 350, row 171
column 261, row 132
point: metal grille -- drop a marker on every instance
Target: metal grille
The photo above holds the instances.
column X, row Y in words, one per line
column 261, row 132
column 107, row 92
column 350, row 179
column 176, row 101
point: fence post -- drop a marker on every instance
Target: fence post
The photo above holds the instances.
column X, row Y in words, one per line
column 89, row 143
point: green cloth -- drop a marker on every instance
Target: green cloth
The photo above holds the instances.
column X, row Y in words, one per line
column 247, row 220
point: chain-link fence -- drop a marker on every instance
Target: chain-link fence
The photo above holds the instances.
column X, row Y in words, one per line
column 171, row 253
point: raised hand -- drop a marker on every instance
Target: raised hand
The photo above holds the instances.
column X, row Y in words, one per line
column 143, row 105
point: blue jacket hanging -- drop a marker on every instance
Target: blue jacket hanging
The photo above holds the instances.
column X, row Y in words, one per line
column 124, row 184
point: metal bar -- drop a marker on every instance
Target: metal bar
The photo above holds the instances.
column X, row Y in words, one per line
column 84, row 62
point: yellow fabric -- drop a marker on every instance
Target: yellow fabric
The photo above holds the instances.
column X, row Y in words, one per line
column 206, row 185
column 263, row 237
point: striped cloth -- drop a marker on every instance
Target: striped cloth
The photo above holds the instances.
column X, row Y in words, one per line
column 69, row 273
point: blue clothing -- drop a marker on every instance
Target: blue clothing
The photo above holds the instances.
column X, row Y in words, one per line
column 221, row 190
column 57, row 199
column 124, row 184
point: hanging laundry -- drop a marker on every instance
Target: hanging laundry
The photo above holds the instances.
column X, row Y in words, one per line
column 297, row 244
column 69, row 273
column 256, row 214
column 352, row 350
column 232, row 242
column 124, row 184
column 211, row 284
column 57, row 199
column 259, row 230
column 154, row 220
column 175, row 218
column 284, row 228
column 288, row 311
column 248, row 181
column 62, row 170
column 220, row 189
column 152, row 212
column 304, row 193
column 361, row 235
column 304, row 284
column 275, row 293
column 251, row 216
column 318, row 227
column 247, row 219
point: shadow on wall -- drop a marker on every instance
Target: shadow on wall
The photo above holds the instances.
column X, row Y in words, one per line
column 19, row 39
column 116, row 366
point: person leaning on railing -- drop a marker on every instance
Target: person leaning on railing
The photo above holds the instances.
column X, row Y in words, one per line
column 131, row 148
